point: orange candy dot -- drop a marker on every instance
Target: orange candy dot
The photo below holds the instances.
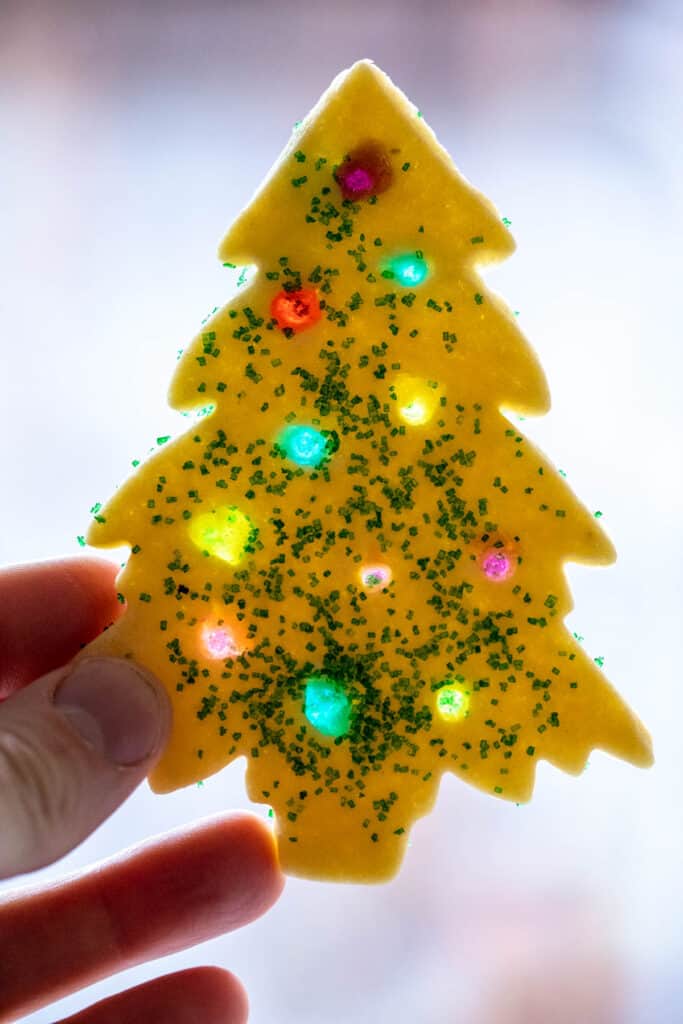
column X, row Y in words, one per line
column 296, row 310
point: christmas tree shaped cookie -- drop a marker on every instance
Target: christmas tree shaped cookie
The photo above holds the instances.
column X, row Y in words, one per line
column 350, row 571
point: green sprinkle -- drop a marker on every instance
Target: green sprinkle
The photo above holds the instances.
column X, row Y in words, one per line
column 81, row 541
column 478, row 298
column 477, row 240
column 598, row 515
column 297, row 182
column 299, row 156
column 406, row 166
column 164, row 439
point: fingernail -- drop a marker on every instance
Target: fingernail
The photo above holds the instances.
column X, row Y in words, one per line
column 113, row 707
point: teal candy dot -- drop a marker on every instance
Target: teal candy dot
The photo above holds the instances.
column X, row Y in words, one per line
column 408, row 269
column 303, row 445
column 327, row 707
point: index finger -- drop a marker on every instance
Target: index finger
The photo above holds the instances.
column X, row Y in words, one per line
column 162, row 897
column 48, row 611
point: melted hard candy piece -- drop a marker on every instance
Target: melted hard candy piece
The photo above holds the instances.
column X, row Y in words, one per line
column 367, row 171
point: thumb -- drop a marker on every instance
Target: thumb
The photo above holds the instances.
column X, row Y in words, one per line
column 73, row 745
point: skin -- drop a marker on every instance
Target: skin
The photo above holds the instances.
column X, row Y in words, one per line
column 189, row 886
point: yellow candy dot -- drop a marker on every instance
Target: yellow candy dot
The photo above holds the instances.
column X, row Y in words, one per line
column 224, row 532
column 416, row 400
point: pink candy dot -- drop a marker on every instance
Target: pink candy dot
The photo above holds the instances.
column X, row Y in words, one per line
column 220, row 643
column 374, row 577
column 497, row 565
column 358, row 180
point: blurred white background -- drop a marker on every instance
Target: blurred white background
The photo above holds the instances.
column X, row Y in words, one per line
column 131, row 134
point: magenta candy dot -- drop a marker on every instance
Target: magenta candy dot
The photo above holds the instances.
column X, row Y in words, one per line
column 358, row 180
column 496, row 565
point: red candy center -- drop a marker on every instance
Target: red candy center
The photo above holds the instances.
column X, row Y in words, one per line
column 296, row 310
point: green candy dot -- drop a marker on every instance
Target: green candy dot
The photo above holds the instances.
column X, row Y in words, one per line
column 327, row 706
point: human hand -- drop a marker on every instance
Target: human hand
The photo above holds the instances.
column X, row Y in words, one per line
column 72, row 748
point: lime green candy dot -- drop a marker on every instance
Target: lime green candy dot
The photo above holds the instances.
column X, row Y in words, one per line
column 453, row 703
